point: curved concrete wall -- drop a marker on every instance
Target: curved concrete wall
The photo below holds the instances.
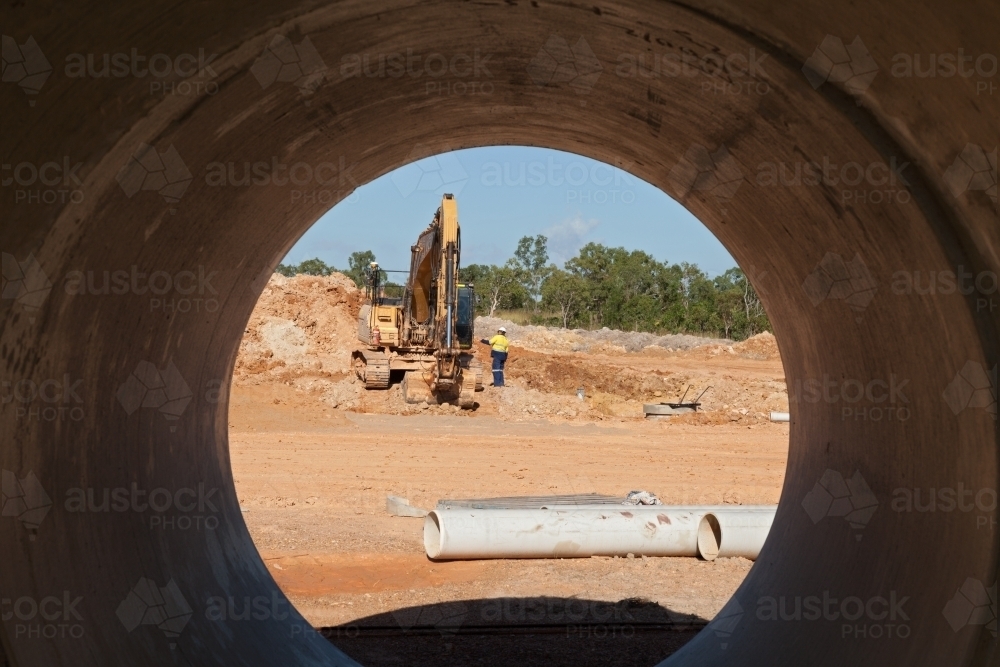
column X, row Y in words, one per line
column 133, row 382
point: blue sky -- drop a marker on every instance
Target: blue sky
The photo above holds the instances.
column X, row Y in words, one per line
column 504, row 193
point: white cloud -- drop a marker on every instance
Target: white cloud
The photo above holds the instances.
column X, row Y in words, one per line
column 568, row 236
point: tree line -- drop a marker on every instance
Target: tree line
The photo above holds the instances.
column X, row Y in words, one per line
column 357, row 264
column 599, row 287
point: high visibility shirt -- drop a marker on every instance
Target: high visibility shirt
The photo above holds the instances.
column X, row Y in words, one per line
column 500, row 343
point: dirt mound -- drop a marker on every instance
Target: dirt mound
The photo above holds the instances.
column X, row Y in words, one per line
column 306, row 325
column 618, row 386
column 606, row 341
column 564, row 374
column 762, row 346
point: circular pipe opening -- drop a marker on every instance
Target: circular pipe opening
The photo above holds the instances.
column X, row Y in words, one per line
column 432, row 535
column 709, row 537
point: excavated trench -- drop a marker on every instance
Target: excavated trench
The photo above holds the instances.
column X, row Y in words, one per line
column 117, row 384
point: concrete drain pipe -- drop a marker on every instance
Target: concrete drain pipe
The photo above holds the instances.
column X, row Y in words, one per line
column 804, row 135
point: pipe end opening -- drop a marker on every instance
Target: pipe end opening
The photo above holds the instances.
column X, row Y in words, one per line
column 432, row 535
column 709, row 537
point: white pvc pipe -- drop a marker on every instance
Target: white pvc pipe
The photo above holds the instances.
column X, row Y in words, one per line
column 780, row 416
column 730, row 534
column 571, row 532
column 443, row 506
column 559, row 533
column 695, row 509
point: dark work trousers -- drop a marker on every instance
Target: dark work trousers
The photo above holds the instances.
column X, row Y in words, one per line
column 499, row 359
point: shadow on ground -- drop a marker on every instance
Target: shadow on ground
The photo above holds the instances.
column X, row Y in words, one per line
column 499, row 632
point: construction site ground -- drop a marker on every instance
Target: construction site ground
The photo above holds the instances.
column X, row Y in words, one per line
column 314, row 456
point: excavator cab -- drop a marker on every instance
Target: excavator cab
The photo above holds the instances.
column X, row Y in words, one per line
column 466, row 315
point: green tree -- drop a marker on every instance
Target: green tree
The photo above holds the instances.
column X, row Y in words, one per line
column 473, row 273
column 310, row 267
column 622, row 289
column 753, row 319
column 500, row 288
column 729, row 309
column 530, row 261
column 476, row 275
column 601, row 286
column 357, row 263
column 314, row 267
column 565, row 291
column 592, row 265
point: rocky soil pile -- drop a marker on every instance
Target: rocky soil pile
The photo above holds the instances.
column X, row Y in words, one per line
column 763, row 346
column 301, row 326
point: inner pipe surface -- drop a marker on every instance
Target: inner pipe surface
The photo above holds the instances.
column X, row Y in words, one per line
column 824, row 254
column 432, row 535
column 709, row 537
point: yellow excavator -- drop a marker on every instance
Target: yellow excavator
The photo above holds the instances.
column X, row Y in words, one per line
column 427, row 333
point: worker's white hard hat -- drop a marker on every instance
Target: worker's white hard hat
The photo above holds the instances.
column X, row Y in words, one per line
column 502, row 330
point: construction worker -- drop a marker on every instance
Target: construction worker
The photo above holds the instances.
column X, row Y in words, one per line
column 498, row 350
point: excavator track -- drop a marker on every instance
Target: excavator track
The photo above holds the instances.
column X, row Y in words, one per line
column 372, row 368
